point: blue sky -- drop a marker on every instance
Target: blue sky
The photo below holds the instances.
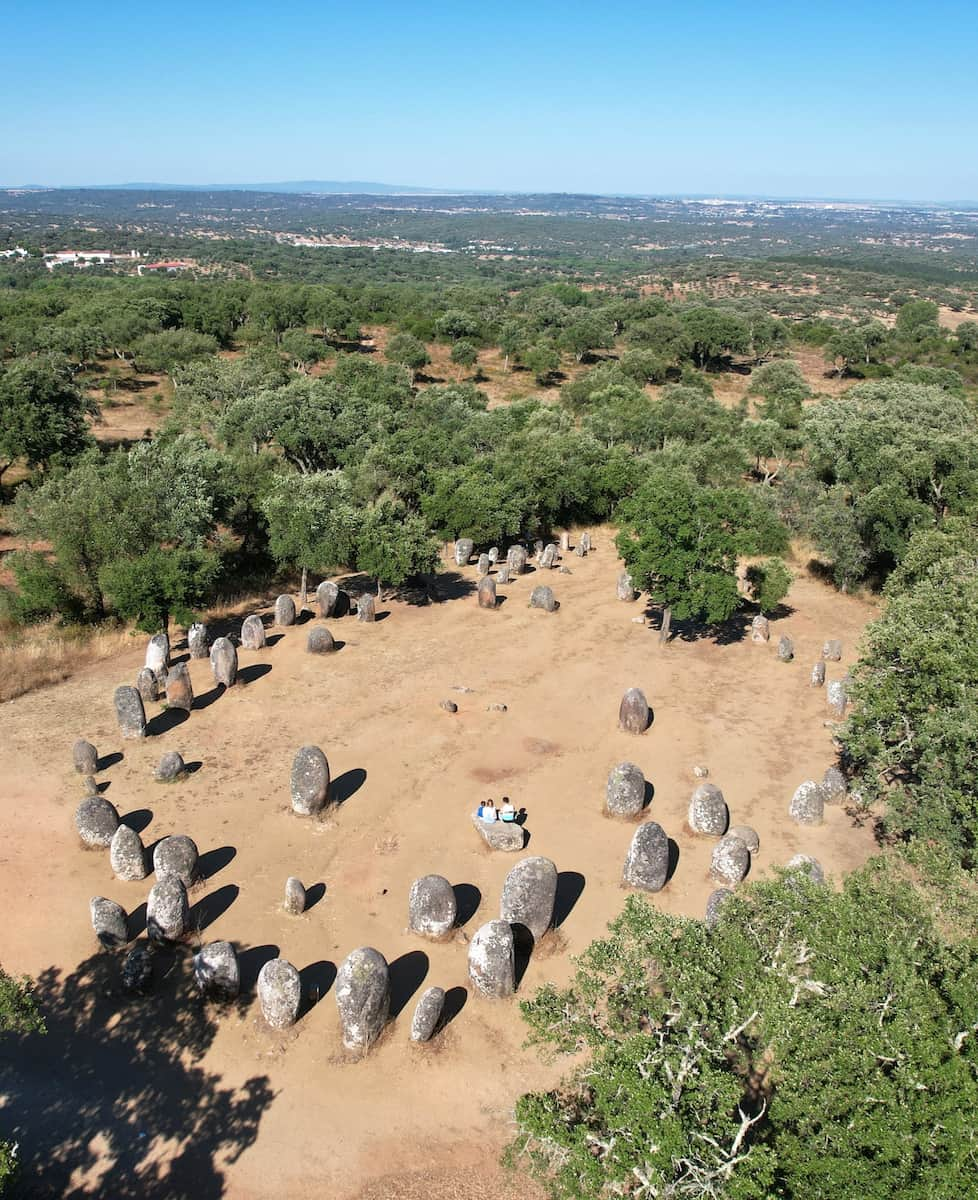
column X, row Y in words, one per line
column 859, row 99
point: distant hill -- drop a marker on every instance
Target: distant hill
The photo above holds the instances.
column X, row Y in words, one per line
column 351, row 187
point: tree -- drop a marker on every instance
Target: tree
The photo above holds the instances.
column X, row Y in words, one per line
column 768, row 583
column 303, row 349
column 464, row 354
column 783, row 391
column 677, row 541
column 797, row 1048
column 584, row 335
column 543, row 360
column 163, row 582
column 409, row 351
column 170, row 348
column 42, row 412
column 394, row 544
column 312, row 523
column 18, row 1015
column 715, row 334
column 512, row 340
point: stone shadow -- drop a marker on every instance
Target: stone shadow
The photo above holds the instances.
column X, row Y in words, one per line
column 252, row 672
column 138, row 819
column 467, row 901
column 212, row 906
column 407, row 974
column 213, row 861
column 570, row 887
column 317, row 978
column 346, row 785
column 166, row 720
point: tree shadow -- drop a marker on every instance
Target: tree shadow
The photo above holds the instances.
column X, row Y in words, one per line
column 467, row 901
column 452, row 585
column 109, row 760
column 673, row 859
column 726, row 634
column 570, row 886
column 168, row 719
column 255, row 671
column 136, row 921
column 455, row 999
column 138, row 819
column 213, row 861
column 115, row 1089
column 316, row 979
column 347, row 785
column 407, row 974
column 250, row 963
column 207, row 910
column 314, row 894
column 206, row 699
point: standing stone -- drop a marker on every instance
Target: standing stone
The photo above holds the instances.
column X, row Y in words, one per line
column 708, row 811
column 431, row 907
column 625, row 588
column 516, row 559
column 176, row 857
column 167, row 910
column 834, row 786
column 565, row 542
column 320, row 641
column 832, row 650
column 837, row 698
column 137, row 971
column 327, row 594
column 581, row 548
column 96, row 821
column 538, row 549
column 818, row 674
column 502, row 574
column 543, row 597
column 295, row 897
column 811, row 867
column 366, row 607
column 179, row 689
column 252, row 633
column 730, row 860
column 224, row 662
column 585, row 542
column 625, row 792
column 760, row 629
column 216, row 971
column 647, row 861
column 85, row 757
column 807, row 803
column 492, row 960
column 786, row 649
column 363, row 997
column 550, row 556
column 148, row 686
column 158, row 654
column 494, row 554
column 748, row 835
column 309, row 781
column 127, row 855
column 285, row 611
column 633, row 713
column 197, row 640
column 129, row 712
column 487, row 592
column 171, row 767
column 279, row 993
column 529, row 895
column 714, row 903
column 484, row 565
column 109, row 922
column 428, row 1014
column 463, row 551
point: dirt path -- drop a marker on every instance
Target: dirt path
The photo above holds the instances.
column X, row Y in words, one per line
column 157, row 1092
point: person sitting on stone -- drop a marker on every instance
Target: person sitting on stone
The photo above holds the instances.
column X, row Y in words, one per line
column 506, row 810
column 488, row 812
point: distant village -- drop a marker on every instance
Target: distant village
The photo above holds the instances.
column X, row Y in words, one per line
column 88, row 258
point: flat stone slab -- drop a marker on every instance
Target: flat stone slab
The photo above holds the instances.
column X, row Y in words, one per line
column 500, row 835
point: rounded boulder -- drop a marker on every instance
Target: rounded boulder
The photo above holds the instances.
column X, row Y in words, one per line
column 730, row 860
column 320, row 641
column 96, row 821
column 486, row 592
column 807, row 804
column 634, row 715
column 309, row 781
column 327, row 595
column 175, row 857
column 171, row 767
column 127, row 855
column 285, row 611
column 492, row 960
column 363, row 996
column 647, row 861
column 708, row 813
column 109, row 922
column 543, row 597
column 279, row 993
column 529, row 894
column 216, row 971
column 85, row 757
column 431, row 907
column 252, row 633
column 625, row 791
column 427, row 1014
column 224, row 662
column 167, row 911
column 295, row 896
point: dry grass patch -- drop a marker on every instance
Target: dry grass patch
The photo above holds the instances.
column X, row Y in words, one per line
column 44, row 654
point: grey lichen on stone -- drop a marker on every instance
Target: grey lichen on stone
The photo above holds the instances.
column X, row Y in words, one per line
column 730, row 860
column 129, row 712
column 748, row 835
column 309, row 781
column 167, row 911
column 176, row 857
column 431, row 907
column 158, row 654
column 197, row 640
column 284, row 610
column 810, row 866
column 516, row 559
column 625, row 790
column 818, row 675
column 634, row 714
column 529, row 895
column 96, row 821
column 463, row 551
column 148, row 686
column 428, row 1014
column 832, row 650
column 327, row 595
column 320, row 641
column 253, row 633
column 109, row 922
column 85, row 757
column 492, row 960
column 216, row 971
column 625, row 589
column 363, row 994
column 367, row 607
column 127, row 855
column 543, row 597
column 708, row 814
column 647, row 861
column 171, row 767
column 224, row 662
column 837, row 697
column 834, row 786
column 279, row 993
column 715, row 901
column 807, row 803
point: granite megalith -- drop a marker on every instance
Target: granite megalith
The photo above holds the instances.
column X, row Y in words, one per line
column 432, row 907
column 625, row 589
column 363, row 997
column 167, row 910
column 309, row 781
column 171, row 767
column 367, row 607
column 428, row 1014
column 320, row 641
column 486, row 592
column 492, row 960
column 176, row 857
column 516, row 559
column 463, row 551
column 810, row 866
column 543, row 597
column 284, row 611
column 625, row 791
column 500, row 835
column 216, row 971
column 647, row 861
column 748, row 835
column 253, row 633
column 127, row 855
column 148, row 686
column 807, row 803
column 818, row 674
column 715, row 901
column 730, row 860
column 85, row 757
column 129, row 712
column 529, row 895
column 327, row 594
column 786, row 649
column 279, row 993
column 634, row 715
column 96, row 821
column 197, row 640
column 295, row 896
column 179, row 689
column 224, row 662
column 158, row 654
column 834, row 786
column 109, row 922
column 708, row 813
column 760, row 629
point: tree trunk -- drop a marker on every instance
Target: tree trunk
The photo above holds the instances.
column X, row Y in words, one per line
column 664, row 626
column 380, row 591
column 303, row 590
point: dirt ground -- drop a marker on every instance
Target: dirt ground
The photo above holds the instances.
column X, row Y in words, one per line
column 162, row 1097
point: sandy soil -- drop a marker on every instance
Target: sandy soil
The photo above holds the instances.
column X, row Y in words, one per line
column 178, row 1100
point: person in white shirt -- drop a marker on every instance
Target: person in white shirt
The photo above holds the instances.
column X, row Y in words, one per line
column 507, row 811
column 489, row 811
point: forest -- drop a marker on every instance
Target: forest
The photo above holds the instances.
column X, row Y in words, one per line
column 306, row 415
